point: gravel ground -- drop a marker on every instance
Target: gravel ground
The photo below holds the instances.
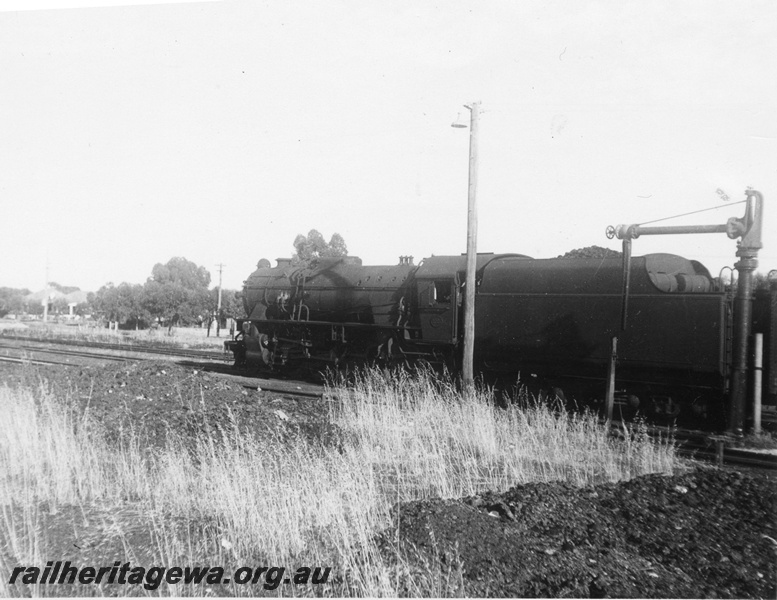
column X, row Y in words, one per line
column 705, row 534
column 148, row 399
column 708, row 533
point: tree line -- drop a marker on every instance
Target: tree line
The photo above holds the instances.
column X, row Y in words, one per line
column 176, row 292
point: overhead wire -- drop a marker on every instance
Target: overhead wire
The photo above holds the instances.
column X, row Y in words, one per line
column 693, row 212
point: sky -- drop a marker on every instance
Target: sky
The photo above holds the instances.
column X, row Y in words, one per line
column 217, row 131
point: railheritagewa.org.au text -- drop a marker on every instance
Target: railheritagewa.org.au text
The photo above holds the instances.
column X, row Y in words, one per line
column 59, row 572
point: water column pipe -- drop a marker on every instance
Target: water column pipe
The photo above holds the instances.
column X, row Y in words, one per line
column 748, row 229
column 758, row 381
column 610, row 396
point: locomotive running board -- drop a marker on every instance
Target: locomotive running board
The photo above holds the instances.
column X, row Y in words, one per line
column 339, row 324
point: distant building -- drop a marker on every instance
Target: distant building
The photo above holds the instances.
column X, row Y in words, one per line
column 74, row 299
column 49, row 295
column 44, row 298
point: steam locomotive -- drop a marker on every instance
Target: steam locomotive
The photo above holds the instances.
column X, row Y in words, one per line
column 546, row 322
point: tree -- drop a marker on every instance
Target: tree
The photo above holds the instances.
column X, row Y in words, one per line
column 182, row 272
column 178, row 291
column 592, row 252
column 12, row 300
column 336, row 246
column 761, row 281
column 231, row 303
column 313, row 246
column 124, row 304
column 65, row 289
column 59, row 305
column 33, row 307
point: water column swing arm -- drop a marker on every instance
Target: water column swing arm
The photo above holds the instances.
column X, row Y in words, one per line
column 748, row 230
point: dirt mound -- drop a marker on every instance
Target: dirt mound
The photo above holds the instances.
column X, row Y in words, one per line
column 704, row 534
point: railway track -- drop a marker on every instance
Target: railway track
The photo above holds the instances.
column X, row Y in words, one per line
column 59, row 352
column 718, row 452
column 134, row 348
column 289, row 387
column 31, row 361
column 719, row 449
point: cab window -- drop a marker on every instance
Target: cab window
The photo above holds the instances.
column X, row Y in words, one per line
column 442, row 292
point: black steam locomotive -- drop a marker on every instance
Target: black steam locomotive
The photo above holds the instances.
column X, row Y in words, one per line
column 549, row 322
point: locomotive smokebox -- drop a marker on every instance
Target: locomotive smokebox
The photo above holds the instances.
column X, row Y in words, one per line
column 324, row 310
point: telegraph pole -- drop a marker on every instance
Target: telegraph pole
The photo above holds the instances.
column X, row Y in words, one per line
column 221, row 268
column 46, row 291
column 218, row 307
column 472, row 237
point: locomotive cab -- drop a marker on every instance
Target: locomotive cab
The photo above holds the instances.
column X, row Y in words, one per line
column 440, row 283
column 438, row 302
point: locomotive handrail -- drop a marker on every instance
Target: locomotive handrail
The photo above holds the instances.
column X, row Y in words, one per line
column 728, row 289
column 482, row 269
column 307, row 312
column 338, row 323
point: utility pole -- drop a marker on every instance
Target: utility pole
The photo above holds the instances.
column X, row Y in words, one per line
column 472, row 252
column 46, row 291
column 218, row 307
column 221, row 268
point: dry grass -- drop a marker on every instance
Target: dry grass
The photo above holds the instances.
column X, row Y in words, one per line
column 245, row 503
column 180, row 337
column 765, row 441
column 429, row 441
